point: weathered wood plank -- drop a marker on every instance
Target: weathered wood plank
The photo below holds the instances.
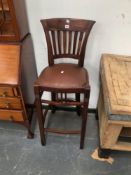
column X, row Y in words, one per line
column 103, row 120
column 123, row 146
column 109, row 133
column 116, row 73
column 126, row 132
column 114, row 105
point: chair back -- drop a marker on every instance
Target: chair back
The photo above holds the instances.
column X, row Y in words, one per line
column 66, row 38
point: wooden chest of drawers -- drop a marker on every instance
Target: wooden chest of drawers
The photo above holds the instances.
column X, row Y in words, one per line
column 12, row 106
column 17, row 63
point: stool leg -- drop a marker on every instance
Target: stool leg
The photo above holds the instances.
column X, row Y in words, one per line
column 53, row 97
column 30, row 133
column 78, row 108
column 84, row 118
column 39, row 115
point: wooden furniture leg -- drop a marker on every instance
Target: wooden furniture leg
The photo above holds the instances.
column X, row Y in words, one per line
column 30, row 133
column 53, row 97
column 78, row 108
column 84, row 118
column 40, row 115
column 111, row 135
column 104, row 153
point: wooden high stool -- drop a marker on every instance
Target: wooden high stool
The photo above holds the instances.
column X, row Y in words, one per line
column 114, row 105
column 63, row 79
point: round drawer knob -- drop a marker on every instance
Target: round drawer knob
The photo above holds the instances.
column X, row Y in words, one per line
column 7, row 104
column 11, row 118
column 4, row 94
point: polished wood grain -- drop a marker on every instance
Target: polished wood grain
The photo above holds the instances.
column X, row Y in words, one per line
column 8, row 92
column 13, row 20
column 11, row 115
column 12, row 106
column 9, row 64
column 10, row 103
column 9, row 30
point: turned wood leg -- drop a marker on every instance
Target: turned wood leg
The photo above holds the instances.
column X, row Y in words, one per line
column 30, row 133
column 39, row 114
column 84, row 119
column 78, row 108
column 53, row 98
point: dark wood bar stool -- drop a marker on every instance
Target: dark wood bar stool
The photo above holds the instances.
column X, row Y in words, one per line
column 66, row 38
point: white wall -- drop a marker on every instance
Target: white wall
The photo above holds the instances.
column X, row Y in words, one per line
column 110, row 34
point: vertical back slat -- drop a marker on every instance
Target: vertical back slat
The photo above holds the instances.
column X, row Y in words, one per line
column 74, row 43
column 53, row 41
column 82, row 43
column 61, row 96
column 65, row 96
column 79, row 43
column 64, row 42
column 67, row 41
column 59, row 41
column 70, row 41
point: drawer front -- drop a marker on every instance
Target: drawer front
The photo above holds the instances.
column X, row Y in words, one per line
column 8, row 92
column 11, row 115
column 10, row 103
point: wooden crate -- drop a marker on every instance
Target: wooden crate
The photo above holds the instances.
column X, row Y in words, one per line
column 114, row 106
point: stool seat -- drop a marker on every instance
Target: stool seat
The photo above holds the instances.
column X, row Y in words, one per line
column 64, row 76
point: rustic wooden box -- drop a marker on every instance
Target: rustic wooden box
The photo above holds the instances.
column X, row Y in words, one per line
column 114, row 105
